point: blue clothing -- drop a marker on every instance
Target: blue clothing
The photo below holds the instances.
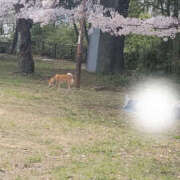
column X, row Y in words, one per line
column 130, row 106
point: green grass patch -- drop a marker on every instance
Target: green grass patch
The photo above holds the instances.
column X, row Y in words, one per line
column 37, row 158
column 177, row 137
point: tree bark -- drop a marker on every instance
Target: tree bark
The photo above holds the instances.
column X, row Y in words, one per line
column 168, row 7
column 1, row 29
column 76, row 30
column 80, row 47
column 176, row 8
column 115, row 47
column 26, row 62
column 14, row 43
column 175, row 41
column 117, row 62
column 86, row 31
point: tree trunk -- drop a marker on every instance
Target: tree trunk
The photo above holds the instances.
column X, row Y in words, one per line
column 86, row 31
column 117, row 62
column 75, row 29
column 26, row 62
column 80, row 46
column 115, row 54
column 1, row 29
column 168, row 6
column 14, row 43
column 175, row 42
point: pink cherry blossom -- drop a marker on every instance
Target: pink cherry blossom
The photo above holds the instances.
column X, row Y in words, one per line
column 46, row 11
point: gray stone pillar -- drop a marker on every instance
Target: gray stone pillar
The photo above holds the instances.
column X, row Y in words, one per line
column 93, row 49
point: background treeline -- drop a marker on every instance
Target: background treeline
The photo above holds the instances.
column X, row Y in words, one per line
column 153, row 54
column 142, row 53
column 56, row 41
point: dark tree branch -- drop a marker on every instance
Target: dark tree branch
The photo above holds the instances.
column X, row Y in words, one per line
column 86, row 31
column 76, row 30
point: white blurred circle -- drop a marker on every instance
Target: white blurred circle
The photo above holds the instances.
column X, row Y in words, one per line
column 155, row 109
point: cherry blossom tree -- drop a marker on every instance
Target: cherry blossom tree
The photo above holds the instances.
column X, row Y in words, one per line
column 116, row 24
column 25, row 13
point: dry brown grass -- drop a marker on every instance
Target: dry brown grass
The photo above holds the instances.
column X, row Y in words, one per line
column 47, row 133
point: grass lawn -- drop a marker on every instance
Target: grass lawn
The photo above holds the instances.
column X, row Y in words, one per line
column 59, row 134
